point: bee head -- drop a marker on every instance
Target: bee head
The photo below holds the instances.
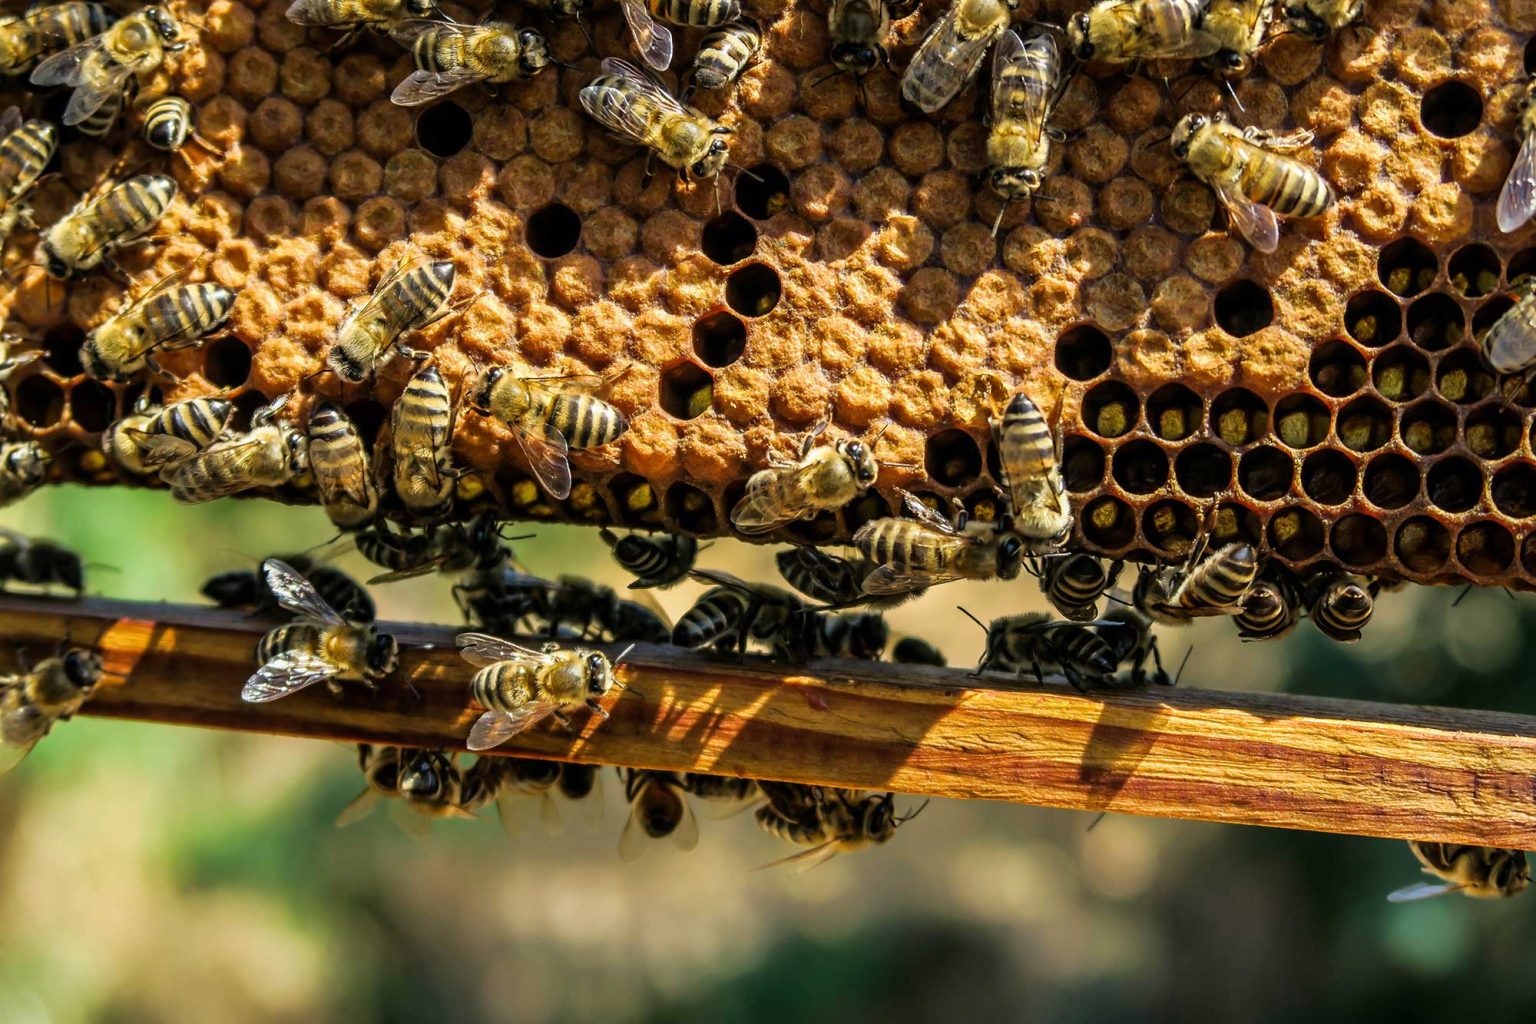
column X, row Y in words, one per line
column 69, row 570
column 599, row 674
column 861, row 460
column 164, row 24
column 53, row 263
column 481, row 399
column 420, row 8
column 533, row 52
column 298, row 452
column 1014, row 183
column 875, row 817
column 82, row 668
column 856, row 58
column 1010, row 556
column 1305, row 23
column 1228, row 63
column 1077, row 37
column 424, row 776
column 383, row 654
column 714, row 156
column 1512, row 875
column 1184, row 133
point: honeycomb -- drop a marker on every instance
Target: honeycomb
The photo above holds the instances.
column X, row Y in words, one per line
column 1326, row 400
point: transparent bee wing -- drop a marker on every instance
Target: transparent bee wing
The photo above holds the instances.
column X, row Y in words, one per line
column 494, row 728
column 686, row 836
column 516, row 810
column 548, row 461
column 652, row 41
column 889, row 580
column 761, row 508
column 411, row 821
column 1422, row 891
column 633, row 842
column 63, row 68
column 1517, row 201
column 359, row 808
column 1024, row 97
column 425, row 86
column 11, row 756
column 238, row 454
column 806, row 859
column 484, row 649
column 313, row 12
column 104, row 84
column 585, row 382
column 421, row 568
column 296, row 593
column 925, row 515
column 406, row 30
column 1255, row 221
column 961, row 54
column 589, row 809
column 287, row 673
column 10, row 120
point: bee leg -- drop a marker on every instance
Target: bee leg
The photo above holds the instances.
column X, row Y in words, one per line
column 564, row 720
column 650, row 171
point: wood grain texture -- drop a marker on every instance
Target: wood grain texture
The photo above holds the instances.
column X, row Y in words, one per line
column 1280, row 760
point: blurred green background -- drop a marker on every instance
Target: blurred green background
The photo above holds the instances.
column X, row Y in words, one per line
column 161, row 874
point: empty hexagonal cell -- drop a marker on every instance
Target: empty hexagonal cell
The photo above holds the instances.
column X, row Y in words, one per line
column 1521, row 264
column 952, row 458
column 1174, row 412
column 1170, row 526
column 39, row 401
column 226, row 362
column 1203, row 470
column 1400, row 373
column 719, row 338
column 762, row 191
column 1233, row 524
column 1451, row 109
column 1514, row 490
column 1337, row 368
column 61, row 349
column 1365, row 424
column 1239, row 416
column 728, row 238
column 866, row 508
column 91, row 405
column 691, row 509
column 1454, row 484
column 984, row 505
column 1111, row 409
column 1493, row 431
column 1244, row 307
column 1407, row 267
column 635, row 499
column 1462, row 377
column 1485, row 548
column 1083, row 352
column 1301, row 420
column 1265, row 473
column 553, row 231
column 1359, row 541
column 1140, row 467
column 1390, row 481
column 753, row 290
column 686, row 390
column 1373, row 318
column 246, row 405
column 1328, row 477
column 1474, row 271
column 444, row 129
column 368, row 417
column 1436, row 322
column 1109, row 523
column 1428, row 427
column 1422, row 544
column 1082, row 463
column 1296, row 534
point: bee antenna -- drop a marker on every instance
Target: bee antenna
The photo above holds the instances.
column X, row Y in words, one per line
column 912, row 814
column 1002, row 209
column 743, row 171
column 1095, row 822
column 1180, row 673
column 983, row 625
column 817, row 81
column 582, row 24
column 623, row 654
column 1233, row 93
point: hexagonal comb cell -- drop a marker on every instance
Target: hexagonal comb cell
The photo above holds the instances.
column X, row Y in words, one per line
column 728, row 238
column 1454, row 484
column 1390, row 481
column 1337, row 369
column 553, row 231
column 444, row 129
column 719, row 339
column 1170, row 526
column 1514, row 490
column 1174, row 412
column 1423, row 545
column 1301, row 421
column 226, row 363
column 1328, row 477
column 1486, row 548
column 1108, row 523
column 1428, row 427
column 1265, row 473
column 1407, row 267
column 686, row 390
column 1359, row 541
column 1474, row 271
column 1203, row 470
column 1373, row 318
column 39, row 401
column 1083, row 352
column 1463, row 377
column 691, row 509
column 1239, row 416
column 1451, row 109
column 753, row 290
column 1365, row 424
column 1244, row 308
column 1082, row 463
column 952, row 458
column 61, row 349
column 1111, row 409
column 91, row 405
column 762, row 191
column 1296, row 534
column 1400, row 373
column 1140, row 467
column 1493, row 431
column 1436, row 322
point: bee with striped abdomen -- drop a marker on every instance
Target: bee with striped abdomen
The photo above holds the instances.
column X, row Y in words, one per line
column 48, row 692
column 11, row 361
column 1075, row 582
column 626, row 101
column 1251, row 176
column 411, row 296
column 1026, row 79
column 342, row 469
column 549, row 417
column 833, row 580
column 733, row 613
column 829, row 821
column 729, row 789
column 247, row 589
column 1341, row 605
column 1271, row 608
column 85, row 237
column 1034, row 642
column 653, row 42
column 1509, row 346
column 658, row 809
column 380, row 766
column 319, row 646
column 47, row 29
column 39, row 562
column 724, row 54
column 914, row 554
column 1127, row 31
column 165, row 318
column 951, row 53
column 169, row 124
column 814, row 633
column 1129, row 635
column 1037, row 498
column 268, row 455
column 24, row 153
column 1482, row 872
column 450, row 56
column 350, row 17
column 654, row 561
column 520, row 687
column 152, row 438
column 103, row 119
column 1205, row 585
column 858, row 31
column 1236, row 28
column 23, row 465
column 102, row 66
column 476, row 546
column 824, row 479
column 421, row 444
column 1314, row 19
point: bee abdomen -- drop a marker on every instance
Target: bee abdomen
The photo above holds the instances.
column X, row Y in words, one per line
column 189, row 312
column 1221, row 580
column 696, row 13
column 584, row 421
column 132, row 207
column 167, row 123
column 102, row 118
column 1343, row 607
column 24, row 153
column 899, row 542
column 716, row 616
column 501, row 687
column 725, row 53
column 1287, row 187
column 439, row 50
column 417, row 296
column 295, row 636
column 797, row 832
column 197, row 420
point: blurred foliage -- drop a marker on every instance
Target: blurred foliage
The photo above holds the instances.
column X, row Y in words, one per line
column 159, row 874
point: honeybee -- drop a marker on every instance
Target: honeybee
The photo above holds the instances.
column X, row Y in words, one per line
column 421, row 444
column 152, row 438
column 1482, row 872
column 43, row 30
column 1270, row 609
column 724, row 54
column 1037, row 497
column 951, row 52
column 834, row 581
column 476, row 546
column 858, row 29
column 626, row 101
column 1517, row 200
column 319, row 646
column 654, row 561
column 99, row 68
column 913, row 554
column 1509, row 345
column 101, row 121
column 23, row 465
column 169, row 124
column 247, row 589
column 11, row 361
column 164, row 318
column 49, row 692
column 431, row 784
column 1341, row 606
column 343, row 471
column 411, row 296
column 39, row 562
column 1251, row 178
column 654, row 42
column 450, row 56
column 268, row 455
column 550, row 416
column 1129, row 635
column 1035, row 642
column 380, row 766
column 1126, row 31
column 658, row 809
column 1075, row 582
column 1237, row 28
column 1213, row 585
column 824, row 479
column 829, row 821
column 1314, row 19
column 733, row 613
column 85, row 237
column 580, row 605
column 814, row 633
column 1026, row 78
column 24, row 153
column 520, row 687
column 730, row 789
column 352, row 16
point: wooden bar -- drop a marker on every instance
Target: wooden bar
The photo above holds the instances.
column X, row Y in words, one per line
column 1280, row 760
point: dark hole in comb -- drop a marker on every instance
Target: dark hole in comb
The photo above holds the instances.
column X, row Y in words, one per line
column 1084, row 352
column 553, row 231
column 444, row 129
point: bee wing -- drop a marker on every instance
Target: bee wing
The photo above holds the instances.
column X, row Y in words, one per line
column 11, row 756
column 1030, row 105
column 925, row 515
column 652, row 41
column 359, row 808
column 516, row 809
column 63, row 68
column 494, row 728
column 761, row 510
column 287, row 673
column 947, row 44
column 406, row 30
column 1255, row 220
column 425, row 86
column 312, row 12
column 10, row 120
column 1422, row 891
column 888, row 579
column 159, row 450
column 296, row 593
column 547, row 461
column 484, row 649
column 806, row 859
column 185, row 474
column 1517, row 201
column 588, row 383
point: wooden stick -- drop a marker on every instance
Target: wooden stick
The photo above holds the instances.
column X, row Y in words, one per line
column 1280, row 760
